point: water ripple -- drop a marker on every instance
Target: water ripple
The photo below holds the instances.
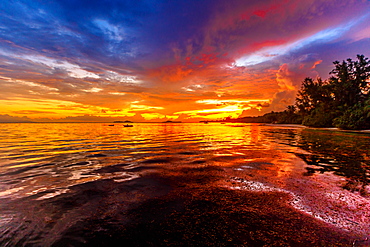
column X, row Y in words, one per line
column 56, row 175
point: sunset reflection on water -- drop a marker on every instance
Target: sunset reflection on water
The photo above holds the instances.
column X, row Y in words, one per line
column 53, row 163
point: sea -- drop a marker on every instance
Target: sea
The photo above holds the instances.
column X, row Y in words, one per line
column 183, row 184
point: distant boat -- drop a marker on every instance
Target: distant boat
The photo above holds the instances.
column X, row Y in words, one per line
column 110, row 124
column 128, row 125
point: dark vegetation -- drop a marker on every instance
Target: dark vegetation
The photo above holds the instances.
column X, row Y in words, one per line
column 342, row 101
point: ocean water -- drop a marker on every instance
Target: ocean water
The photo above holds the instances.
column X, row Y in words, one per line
column 182, row 184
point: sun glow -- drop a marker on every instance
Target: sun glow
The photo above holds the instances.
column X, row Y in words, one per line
column 215, row 113
column 53, row 109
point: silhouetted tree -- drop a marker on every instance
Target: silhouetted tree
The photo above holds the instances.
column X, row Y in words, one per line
column 314, row 101
column 351, row 89
column 350, row 84
column 342, row 101
column 312, row 94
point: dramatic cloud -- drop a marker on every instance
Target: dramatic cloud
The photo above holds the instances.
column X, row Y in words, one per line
column 159, row 60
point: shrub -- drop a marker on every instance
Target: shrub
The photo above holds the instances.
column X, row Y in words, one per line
column 354, row 118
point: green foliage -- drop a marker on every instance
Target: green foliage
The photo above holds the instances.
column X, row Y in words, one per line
column 355, row 117
column 289, row 116
column 312, row 94
column 321, row 116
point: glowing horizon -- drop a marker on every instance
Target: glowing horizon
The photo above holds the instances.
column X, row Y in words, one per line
column 178, row 60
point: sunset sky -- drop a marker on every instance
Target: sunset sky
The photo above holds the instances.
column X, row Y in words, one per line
column 155, row 60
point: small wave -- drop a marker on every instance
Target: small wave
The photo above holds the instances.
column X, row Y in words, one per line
column 252, row 185
column 53, row 194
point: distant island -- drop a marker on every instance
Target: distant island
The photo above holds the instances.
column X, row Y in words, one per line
column 127, row 121
column 170, row 121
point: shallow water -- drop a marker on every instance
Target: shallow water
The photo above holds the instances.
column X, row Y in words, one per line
column 78, row 184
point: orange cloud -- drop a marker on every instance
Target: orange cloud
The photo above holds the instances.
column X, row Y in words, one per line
column 316, row 63
column 170, row 73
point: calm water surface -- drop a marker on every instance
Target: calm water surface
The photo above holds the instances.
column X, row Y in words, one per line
column 182, row 184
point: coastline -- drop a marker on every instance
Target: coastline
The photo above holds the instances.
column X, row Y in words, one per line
column 315, row 128
column 286, row 125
